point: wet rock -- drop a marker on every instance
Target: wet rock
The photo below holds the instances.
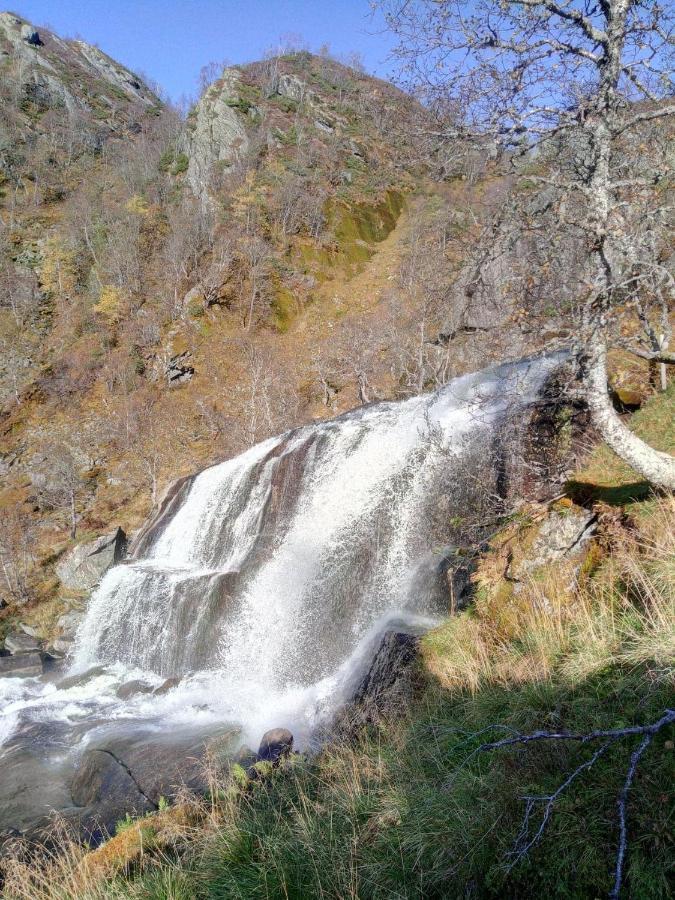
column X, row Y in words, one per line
column 86, row 564
column 23, row 665
column 68, row 625
column 105, row 785
column 31, row 788
column 60, row 647
column 275, row 744
column 130, row 688
column 388, row 681
column 166, row 686
column 18, row 642
column 172, row 498
column 460, row 586
column 81, row 678
column 131, row 770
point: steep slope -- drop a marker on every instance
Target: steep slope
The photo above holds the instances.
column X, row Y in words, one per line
column 51, row 73
column 156, row 276
column 172, row 292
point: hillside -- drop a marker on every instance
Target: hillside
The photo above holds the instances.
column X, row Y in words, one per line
column 133, row 296
column 173, row 292
column 204, row 316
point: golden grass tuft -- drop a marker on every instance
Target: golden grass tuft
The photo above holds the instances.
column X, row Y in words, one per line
column 569, row 619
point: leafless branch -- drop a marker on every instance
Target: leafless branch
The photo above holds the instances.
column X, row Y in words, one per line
column 524, row 842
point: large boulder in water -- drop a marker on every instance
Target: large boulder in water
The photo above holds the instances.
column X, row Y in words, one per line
column 22, row 665
column 129, row 771
column 86, row 564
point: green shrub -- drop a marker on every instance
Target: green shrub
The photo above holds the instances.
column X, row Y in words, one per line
column 181, row 164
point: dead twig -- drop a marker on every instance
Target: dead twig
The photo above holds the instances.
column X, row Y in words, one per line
column 524, row 842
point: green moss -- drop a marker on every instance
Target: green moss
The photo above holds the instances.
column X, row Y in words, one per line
column 284, row 308
column 240, row 103
column 356, row 228
column 286, row 104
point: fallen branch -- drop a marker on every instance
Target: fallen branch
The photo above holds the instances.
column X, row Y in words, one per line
column 523, row 842
column 667, row 357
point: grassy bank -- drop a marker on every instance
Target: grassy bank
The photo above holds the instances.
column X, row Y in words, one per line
column 413, row 808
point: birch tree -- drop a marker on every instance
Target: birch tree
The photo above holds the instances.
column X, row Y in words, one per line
column 587, row 76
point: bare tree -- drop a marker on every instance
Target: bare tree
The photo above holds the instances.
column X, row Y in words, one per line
column 604, row 740
column 256, row 255
column 58, row 474
column 541, row 75
column 17, row 544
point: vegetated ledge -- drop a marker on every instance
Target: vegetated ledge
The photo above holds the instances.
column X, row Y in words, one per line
column 422, row 804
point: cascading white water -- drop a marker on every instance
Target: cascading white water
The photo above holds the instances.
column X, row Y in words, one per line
column 280, row 565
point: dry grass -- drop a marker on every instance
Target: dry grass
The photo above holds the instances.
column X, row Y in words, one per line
column 560, row 621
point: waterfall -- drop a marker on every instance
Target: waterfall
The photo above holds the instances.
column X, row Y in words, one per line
column 278, row 564
column 264, row 583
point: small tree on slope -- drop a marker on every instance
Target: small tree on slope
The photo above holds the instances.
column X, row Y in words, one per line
column 582, row 75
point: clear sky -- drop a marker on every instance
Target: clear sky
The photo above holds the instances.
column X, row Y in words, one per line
column 170, row 40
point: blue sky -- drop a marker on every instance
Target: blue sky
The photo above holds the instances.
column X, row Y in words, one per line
column 170, row 40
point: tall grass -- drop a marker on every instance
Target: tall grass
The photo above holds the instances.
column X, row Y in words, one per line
column 408, row 809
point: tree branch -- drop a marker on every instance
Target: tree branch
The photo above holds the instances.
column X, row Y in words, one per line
column 523, row 843
column 659, row 356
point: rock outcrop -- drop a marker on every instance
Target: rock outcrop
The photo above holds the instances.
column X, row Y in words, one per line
column 129, row 773
column 51, row 72
column 389, row 681
column 216, row 132
column 85, row 565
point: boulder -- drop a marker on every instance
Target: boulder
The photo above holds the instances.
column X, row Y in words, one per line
column 60, row 647
column 18, row 642
column 388, row 680
column 23, row 665
column 275, row 744
column 130, row 688
column 562, row 535
column 166, row 686
column 86, row 564
column 72, row 681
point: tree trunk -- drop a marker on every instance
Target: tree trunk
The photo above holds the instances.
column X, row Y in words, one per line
column 656, row 467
